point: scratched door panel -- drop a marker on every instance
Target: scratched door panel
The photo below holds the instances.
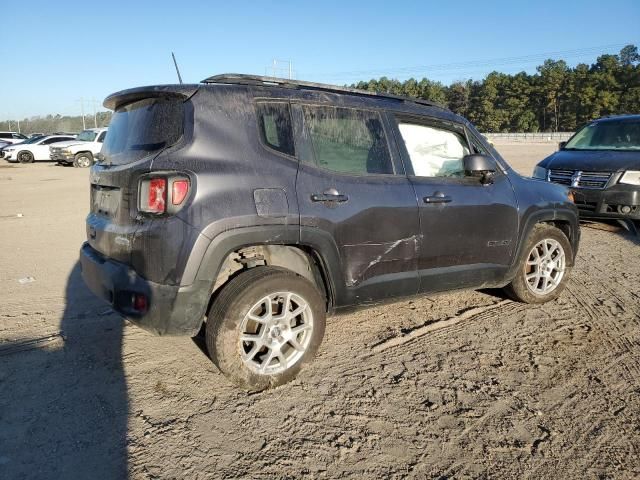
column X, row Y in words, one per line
column 368, row 210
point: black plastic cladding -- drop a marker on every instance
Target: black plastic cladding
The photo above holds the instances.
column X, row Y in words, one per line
column 382, row 243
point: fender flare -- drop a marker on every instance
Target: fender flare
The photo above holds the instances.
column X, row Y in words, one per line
column 320, row 243
column 547, row 215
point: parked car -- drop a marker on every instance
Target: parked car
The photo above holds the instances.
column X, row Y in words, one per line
column 37, row 134
column 601, row 165
column 80, row 152
column 34, row 149
column 12, row 137
column 257, row 207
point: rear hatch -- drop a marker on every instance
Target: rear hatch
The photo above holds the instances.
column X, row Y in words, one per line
column 144, row 123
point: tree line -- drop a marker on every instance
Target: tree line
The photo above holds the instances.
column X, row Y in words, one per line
column 56, row 123
column 556, row 98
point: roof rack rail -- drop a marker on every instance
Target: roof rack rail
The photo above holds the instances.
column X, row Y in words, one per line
column 257, row 80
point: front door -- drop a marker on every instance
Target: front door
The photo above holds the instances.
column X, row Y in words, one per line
column 468, row 230
column 352, row 190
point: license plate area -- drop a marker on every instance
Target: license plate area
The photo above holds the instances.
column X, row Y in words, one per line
column 105, row 201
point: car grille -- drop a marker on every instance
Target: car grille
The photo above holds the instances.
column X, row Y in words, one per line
column 580, row 179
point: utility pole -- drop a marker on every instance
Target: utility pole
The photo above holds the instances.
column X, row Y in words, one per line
column 290, row 71
column 84, row 126
column 95, row 118
column 18, row 125
column 274, row 67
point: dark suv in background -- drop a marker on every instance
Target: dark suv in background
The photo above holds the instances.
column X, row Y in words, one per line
column 601, row 165
column 256, row 206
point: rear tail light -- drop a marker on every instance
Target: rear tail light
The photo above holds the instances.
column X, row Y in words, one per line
column 179, row 191
column 162, row 194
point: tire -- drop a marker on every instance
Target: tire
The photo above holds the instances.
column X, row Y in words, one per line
column 529, row 286
column 229, row 318
column 25, row 156
column 83, row 160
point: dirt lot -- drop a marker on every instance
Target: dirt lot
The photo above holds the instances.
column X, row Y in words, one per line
column 462, row 385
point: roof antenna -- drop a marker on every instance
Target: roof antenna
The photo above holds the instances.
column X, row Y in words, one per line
column 177, row 69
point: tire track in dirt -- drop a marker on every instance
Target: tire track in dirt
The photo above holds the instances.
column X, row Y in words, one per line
column 471, row 314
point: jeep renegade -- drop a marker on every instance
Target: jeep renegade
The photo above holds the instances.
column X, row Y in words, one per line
column 256, row 206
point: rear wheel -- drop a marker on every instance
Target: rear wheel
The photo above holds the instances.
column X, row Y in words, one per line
column 25, row 156
column 265, row 325
column 543, row 270
column 83, row 160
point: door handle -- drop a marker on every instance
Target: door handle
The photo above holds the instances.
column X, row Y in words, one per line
column 330, row 195
column 437, row 197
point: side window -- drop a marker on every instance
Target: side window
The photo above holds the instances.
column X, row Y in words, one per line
column 19, row 136
column 49, row 141
column 101, row 137
column 434, row 151
column 5, row 135
column 274, row 123
column 347, row 140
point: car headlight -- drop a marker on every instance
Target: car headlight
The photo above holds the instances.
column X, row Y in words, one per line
column 631, row 177
column 66, row 150
column 540, row 172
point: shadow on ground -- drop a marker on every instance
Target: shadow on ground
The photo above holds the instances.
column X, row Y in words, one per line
column 63, row 407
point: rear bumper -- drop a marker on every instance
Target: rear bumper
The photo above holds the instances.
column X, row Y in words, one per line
column 608, row 203
column 171, row 309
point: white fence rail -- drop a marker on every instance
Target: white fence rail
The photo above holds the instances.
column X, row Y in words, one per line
column 538, row 137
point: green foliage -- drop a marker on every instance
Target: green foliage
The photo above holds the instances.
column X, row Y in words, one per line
column 56, row 123
column 555, row 98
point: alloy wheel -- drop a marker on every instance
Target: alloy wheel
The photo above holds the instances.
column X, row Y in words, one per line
column 276, row 333
column 545, row 267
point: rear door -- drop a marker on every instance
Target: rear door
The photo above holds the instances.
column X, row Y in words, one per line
column 468, row 230
column 351, row 189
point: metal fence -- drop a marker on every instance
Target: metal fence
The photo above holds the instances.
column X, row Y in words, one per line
column 538, row 137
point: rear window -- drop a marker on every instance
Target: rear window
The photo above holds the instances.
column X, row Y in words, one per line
column 143, row 127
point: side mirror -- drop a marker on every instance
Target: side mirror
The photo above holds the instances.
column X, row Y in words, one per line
column 561, row 145
column 483, row 166
column 476, row 165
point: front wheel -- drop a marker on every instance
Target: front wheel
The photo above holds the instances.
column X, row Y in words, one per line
column 83, row 160
column 265, row 325
column 544, row 266
column 25, row 157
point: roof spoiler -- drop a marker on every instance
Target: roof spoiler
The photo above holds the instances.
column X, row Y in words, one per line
column 124, row 97
column 256, row 80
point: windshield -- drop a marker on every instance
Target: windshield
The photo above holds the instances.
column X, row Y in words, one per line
column 608, row 135
column 86, row 136
column 142, row 127
column 32, row 140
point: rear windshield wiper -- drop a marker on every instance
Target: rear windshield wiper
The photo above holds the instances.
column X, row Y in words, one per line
column 148, row 146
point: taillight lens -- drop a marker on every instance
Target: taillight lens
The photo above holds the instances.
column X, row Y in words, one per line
column 179, row 191
column 162, row 195
column 157, row 196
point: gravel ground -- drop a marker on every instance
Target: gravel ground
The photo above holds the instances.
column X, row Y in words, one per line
column 459, row 385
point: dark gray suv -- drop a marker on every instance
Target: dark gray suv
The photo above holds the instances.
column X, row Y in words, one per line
column 256, row 206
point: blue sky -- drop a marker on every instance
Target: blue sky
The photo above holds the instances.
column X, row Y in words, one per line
column 54, row 53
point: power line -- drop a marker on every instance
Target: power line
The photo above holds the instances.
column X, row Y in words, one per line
column 455, row 66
